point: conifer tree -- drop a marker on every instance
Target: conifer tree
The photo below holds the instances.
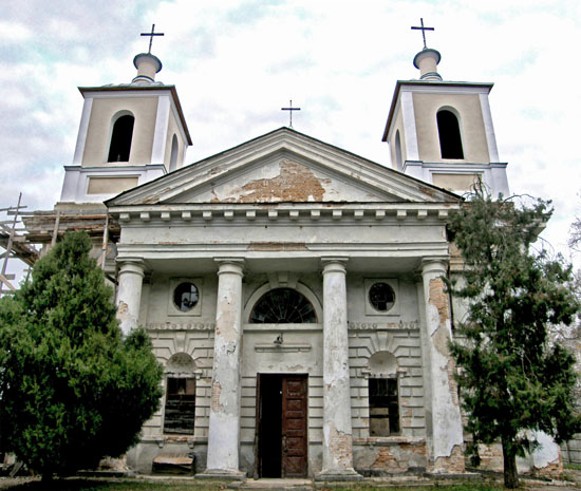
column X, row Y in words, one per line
column 72, row 389
column 514, row 379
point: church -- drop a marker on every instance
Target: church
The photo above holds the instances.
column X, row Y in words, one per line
column 293, row 290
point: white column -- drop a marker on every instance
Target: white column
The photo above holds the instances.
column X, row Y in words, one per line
column 131, row 273
column 444, row 422
column 224, row 426
column 337, row 429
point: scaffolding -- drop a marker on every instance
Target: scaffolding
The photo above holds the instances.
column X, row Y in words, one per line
column 28, row 235
column 15, row 245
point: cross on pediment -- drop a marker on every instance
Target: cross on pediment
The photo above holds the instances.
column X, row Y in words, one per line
column 151, row 35
column 290, row 110
column 423, row 29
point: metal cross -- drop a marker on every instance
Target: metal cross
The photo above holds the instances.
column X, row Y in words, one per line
column 423, row 29
column 290, row 110
column 150, row 35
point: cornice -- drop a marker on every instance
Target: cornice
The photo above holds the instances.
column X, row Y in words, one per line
column 280, row 212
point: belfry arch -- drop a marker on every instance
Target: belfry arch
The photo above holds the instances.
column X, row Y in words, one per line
column 449, row 134
column 121, row 138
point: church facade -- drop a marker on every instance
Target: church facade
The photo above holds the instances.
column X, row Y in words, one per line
column 293, row 290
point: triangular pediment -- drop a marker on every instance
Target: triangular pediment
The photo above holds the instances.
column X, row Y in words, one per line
column 283, row 166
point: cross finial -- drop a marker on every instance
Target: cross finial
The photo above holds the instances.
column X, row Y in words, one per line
column 423, row 29
column 150, row 35
column 290, row 110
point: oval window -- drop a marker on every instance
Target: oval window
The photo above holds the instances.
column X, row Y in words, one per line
column 381, row 296
column 185, row 296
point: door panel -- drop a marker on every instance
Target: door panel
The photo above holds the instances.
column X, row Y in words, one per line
column 294, row 426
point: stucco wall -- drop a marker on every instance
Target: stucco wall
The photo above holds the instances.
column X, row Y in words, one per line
column 144, row 110
column 468, row 110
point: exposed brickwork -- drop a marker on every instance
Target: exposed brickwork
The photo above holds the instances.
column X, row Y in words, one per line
column 553, row 469
column 295, row 183
column 453, row 464
column 439, row 299
column 375, row 457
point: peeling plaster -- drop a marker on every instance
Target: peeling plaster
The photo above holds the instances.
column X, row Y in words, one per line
column 340, row 446
column 122, row 310
column 295, row 183
column 451, row 463
column 216, row 396
column 439, row 299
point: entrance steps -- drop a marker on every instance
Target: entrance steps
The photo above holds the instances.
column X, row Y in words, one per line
column 404, row 481
column 277, row 484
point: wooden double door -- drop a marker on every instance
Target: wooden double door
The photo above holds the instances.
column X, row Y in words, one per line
column 282, row 425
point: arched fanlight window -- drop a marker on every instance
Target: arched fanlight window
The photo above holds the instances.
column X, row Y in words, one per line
column 121, row 137
column 450, row 138
column 283, row 306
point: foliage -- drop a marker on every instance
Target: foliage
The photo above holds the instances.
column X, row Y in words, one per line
column 72, row 389
column 514, row 379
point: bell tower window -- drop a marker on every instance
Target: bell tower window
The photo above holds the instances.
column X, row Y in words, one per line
column 173, row 161
column 121, row 137
column 398, row 157
column 449, row 132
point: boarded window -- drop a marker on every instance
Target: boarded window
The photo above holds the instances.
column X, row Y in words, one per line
column 383, row 407
column 449, row 133
column 121, row 139
column 180, row 405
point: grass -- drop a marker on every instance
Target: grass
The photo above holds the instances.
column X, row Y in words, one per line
column 76, row 484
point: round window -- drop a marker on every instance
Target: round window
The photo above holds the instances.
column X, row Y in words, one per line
column 185, row 296
column 381, row 296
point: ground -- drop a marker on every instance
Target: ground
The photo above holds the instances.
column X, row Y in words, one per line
column 179, row 484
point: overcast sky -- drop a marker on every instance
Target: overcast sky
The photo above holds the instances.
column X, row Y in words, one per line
column 236, row 63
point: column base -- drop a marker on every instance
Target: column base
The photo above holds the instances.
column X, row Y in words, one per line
column 338, row 475
column 222, row 475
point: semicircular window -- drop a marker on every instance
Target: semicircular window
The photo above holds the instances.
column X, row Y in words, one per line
column 283, row 306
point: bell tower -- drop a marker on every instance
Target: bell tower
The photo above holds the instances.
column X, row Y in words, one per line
column 441, row 131
column 129, row 134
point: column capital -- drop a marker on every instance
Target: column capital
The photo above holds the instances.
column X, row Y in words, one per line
column 131, row 265
column 233, row 265
column 434, row 265
column 334, row 264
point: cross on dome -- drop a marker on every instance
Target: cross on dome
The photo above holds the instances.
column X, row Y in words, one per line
column 151, row 35
column 423, row 29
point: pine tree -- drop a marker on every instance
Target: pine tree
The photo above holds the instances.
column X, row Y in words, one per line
column 514, row 379
column 72, row 389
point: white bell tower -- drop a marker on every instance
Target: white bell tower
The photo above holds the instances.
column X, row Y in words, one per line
column 129, row 134
column 441, row 131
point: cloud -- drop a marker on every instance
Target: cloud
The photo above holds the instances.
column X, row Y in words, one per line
column 236, row 63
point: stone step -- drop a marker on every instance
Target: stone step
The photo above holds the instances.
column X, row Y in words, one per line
column 277, row 484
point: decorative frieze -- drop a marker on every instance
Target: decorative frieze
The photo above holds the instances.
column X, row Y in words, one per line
column 180, row 326
column 374, row 326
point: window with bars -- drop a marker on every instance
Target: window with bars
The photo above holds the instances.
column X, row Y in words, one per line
column 180, row 405
column 383, row 407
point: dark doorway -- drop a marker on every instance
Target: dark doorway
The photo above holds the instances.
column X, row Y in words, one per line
column 282, row 425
